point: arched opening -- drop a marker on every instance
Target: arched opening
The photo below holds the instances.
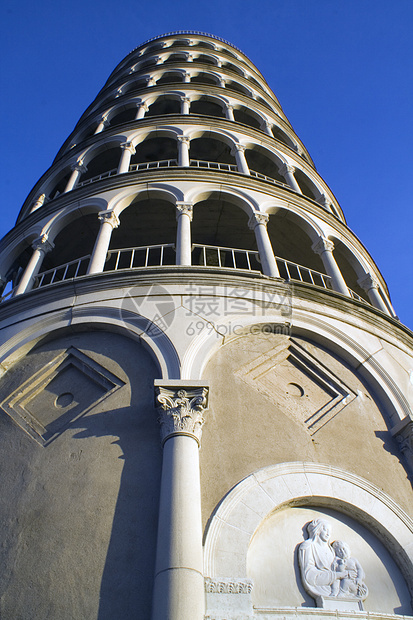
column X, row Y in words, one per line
column 150, row 222
column 291, row 242
column 281, row 136
column 134, row 86
column 205, row 106
column 242, row 115
column 220, row 224
column 204, row 44
column 170, row 78
column 264, row 103
column 164, row 105
column 175, row 58
column 124, row 116
column 103, row 162
column 204, row 78
column 211, row 149
column 305, row 184
column 259, row 161
column 75, row 241
column 155, row 149
column 348, row 264
column 229, row 66
column 146, row 63
column 237, row 87
column 59, row 184
column 206, row 60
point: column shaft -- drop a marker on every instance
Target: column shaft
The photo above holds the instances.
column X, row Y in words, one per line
column 183, row 234
column 183, row 152
column 40, row 248
column 128, row 151
column 258, row 222
column 179, row 583
column 241, row 159
column 109, row 221
column 324, row 247
column 288, row 173
column 229, row 112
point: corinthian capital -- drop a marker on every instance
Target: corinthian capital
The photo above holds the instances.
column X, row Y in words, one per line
column 180, row 410
column 287, row 168
column 322, row 245
column 110, row 217
column 43, row 244
column 258, row 218
column 367, row 282
column 184, row 208
column 128, row 146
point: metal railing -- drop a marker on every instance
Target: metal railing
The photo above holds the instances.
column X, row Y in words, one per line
column 98, row 177
column 149, row 165
column 293, row 271
column 264, row 177
column 232, row 258
column 68, row 271
column 144, row 256
column 212, row 165
column 164, row 255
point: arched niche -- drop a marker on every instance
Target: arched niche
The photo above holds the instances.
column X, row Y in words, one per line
column 280, row 135
column 307, row 187
column 231, row 85
column 257, row 528
column 57, row 186
column 134, row 85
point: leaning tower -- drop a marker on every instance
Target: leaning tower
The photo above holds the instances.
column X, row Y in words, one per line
column 182, row 269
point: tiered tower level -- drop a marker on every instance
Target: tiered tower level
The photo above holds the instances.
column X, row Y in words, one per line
column 183, row 268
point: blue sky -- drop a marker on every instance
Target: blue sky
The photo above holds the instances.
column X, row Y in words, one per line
column 342, row 70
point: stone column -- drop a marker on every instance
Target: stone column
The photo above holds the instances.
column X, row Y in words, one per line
column 150, row 81
column 222, row 82
column 185, row 103
column 128, row 150
column 325, row 247
column 189, row 57
column 183, row 151
column 102, row 125
column 141, row 111
column 187, row 77
column 179, row 582
column 229, row 112
column 287, row 172
column 258, row 222
column 372, row 288
column 267, row 127
column 77, row 170
column 39, row 202
column 184, row 211
column 40, row 248
column 108, row 221
column 240, row 158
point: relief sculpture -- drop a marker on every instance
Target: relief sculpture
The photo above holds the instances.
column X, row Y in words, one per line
column 327, row 569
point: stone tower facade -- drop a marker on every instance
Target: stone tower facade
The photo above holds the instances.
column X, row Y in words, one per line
column 205, row 392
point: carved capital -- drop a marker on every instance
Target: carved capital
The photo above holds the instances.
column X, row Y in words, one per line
column 322, row 245
column 180, row 411
column 109, row 217
column 367, row 282
column 230, row 107
column 39, row 201
column 128, row 146
column 239, row 147
column 258, row 218
column 184, row 208
column 405, row 439
column 42, row 244
column 119, row 92
column 79, row 166
column 287, row 169
column 324, row 201
column 189, row 57
column 143, row 105
column 185, row 99
column 183, row 139
column 150, row 81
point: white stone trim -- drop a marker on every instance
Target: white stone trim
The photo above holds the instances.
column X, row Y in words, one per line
column 300, row 483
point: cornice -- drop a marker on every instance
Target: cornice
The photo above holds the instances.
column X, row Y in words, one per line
column 329, row 302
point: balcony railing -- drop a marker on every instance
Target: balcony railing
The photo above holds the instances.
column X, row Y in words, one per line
column 98, row 177
column 162, row 255
column 150, row 165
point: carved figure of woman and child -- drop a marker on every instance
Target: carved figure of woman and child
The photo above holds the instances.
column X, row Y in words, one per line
column 328, row 570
